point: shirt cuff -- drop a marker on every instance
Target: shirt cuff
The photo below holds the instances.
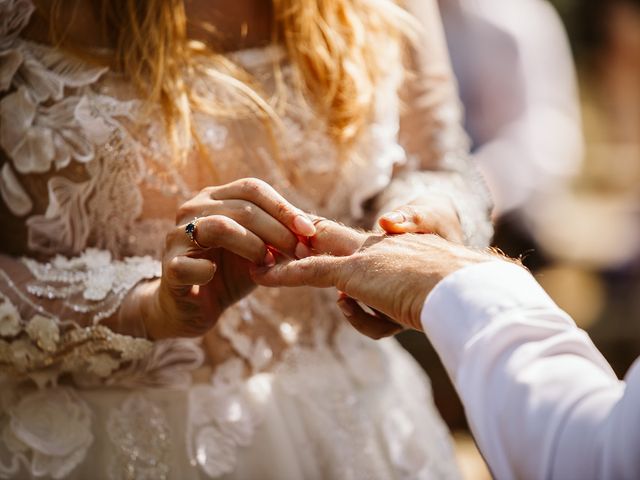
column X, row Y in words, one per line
column 468, row 300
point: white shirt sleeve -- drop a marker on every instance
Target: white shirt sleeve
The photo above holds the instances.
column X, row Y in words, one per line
column 541, row 400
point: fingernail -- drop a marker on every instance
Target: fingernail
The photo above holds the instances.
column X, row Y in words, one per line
column 302, row 251
column 346, row 308
column 304, row 226
column 269, row 259
column 395, row 217
column 213, row 271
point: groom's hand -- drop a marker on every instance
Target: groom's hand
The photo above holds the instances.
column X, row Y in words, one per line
column 428, row 214
column 393, row 275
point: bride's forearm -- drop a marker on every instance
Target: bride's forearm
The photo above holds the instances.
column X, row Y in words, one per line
column 138, row 315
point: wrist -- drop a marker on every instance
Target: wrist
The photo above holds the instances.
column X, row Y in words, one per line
column 129, row 318
column 147, row 308
column 456, row 258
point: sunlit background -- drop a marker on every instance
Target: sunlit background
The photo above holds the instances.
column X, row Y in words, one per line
column 580, row 233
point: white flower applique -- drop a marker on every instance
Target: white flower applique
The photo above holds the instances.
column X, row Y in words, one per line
column 40, row 350
column 9, row 319
column 51, row 115
column 49, row 431
column 44, row 332
column 93, row 283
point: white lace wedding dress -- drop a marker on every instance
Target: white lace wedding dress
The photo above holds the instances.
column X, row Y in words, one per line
column 282, row 388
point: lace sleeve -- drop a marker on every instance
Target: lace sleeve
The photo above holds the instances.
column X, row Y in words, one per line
column 432, row 135
column 54, row 316
column 61, row 316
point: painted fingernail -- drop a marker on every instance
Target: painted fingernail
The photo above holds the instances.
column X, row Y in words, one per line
column 346, row 308
column 213, row 271
column 269, row 259
column 395, row 217
column 304, row 226
column 302, row 251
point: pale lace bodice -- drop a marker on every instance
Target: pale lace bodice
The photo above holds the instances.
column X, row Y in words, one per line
column 89, row 190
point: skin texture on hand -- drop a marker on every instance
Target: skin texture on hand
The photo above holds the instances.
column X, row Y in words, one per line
column 240, row 224
column 428, row 214
column 391, row 274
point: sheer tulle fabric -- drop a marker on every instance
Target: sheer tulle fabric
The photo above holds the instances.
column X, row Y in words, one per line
column 281, row 388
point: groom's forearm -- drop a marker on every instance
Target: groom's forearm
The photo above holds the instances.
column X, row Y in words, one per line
column 539, row 397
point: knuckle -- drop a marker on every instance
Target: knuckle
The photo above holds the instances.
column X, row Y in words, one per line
column 218, row 225
column 412, row 213
column 186, row 210
column 251, row 186
column 173, row 270
column 207, row 192
column 257, row 182
column 282, row 208
column 306, row 267
column 171, row 237
column 246, row 213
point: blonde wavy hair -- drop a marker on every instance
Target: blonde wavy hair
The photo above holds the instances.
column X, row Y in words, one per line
column 334, row 47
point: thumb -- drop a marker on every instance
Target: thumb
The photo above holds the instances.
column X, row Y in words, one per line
column 404, row 220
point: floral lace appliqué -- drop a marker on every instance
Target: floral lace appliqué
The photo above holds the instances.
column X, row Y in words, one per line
column 47, row 431
column 93, row 283
column 42, row 349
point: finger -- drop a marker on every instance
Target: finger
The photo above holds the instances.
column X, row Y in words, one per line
column 422, row 219
column 255, row 219
column 182, row 272
column 218, row 231
column 406, row 220
column 372, row 326
column 334, row 239
column 266, row 197
column 363, row 306
column 321, row 272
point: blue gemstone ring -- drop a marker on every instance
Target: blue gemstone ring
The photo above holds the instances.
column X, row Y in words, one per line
column 190, row 230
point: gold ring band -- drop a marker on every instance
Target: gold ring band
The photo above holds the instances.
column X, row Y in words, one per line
column 190, row 230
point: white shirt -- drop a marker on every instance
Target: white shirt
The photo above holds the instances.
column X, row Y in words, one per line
column 541, row 400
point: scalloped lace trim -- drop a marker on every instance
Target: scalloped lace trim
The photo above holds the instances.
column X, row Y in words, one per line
column 42, row 349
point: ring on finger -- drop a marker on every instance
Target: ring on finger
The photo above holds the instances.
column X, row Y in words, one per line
column 317, row 220
column 190, row 230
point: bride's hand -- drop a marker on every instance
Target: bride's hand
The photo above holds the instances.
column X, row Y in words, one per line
column 239, row 224
column 429, row 214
